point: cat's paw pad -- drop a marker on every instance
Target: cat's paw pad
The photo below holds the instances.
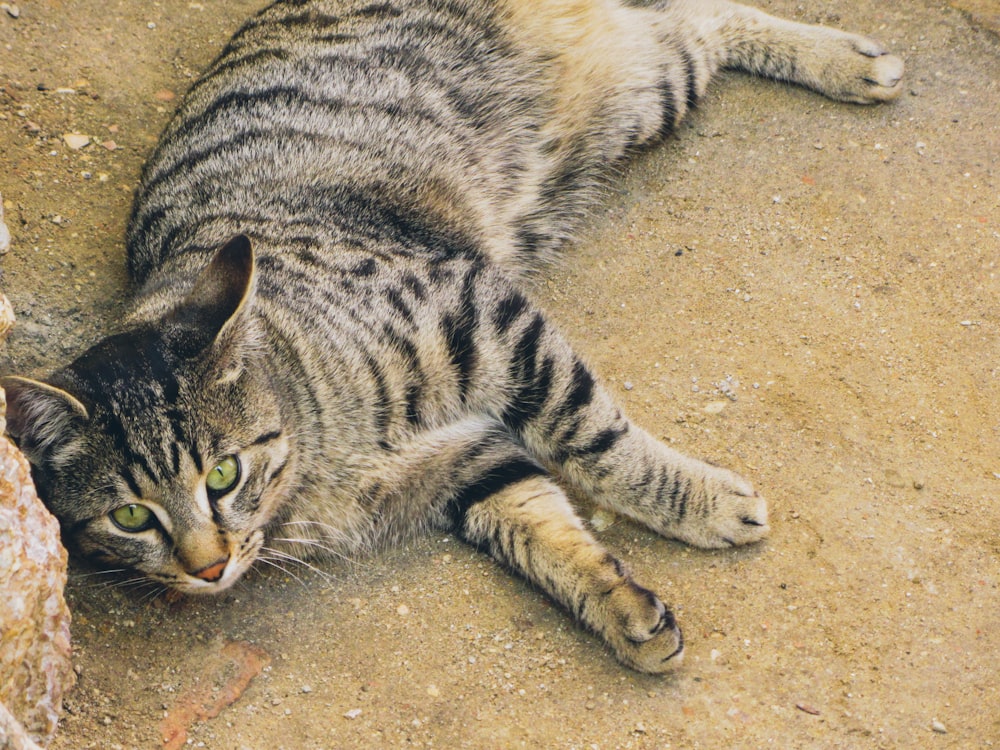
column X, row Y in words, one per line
column 643, row 632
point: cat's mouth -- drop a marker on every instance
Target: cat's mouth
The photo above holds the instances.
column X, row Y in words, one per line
column 218, row 576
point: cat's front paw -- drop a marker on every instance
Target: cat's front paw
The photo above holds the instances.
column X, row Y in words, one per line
column 728, row 513
column 642, row 631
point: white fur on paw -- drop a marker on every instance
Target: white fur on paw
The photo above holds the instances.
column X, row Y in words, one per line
column 733, row 513
column 885, row 82
column 854, row 68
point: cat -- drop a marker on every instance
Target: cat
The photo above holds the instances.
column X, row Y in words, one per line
column 331, row 347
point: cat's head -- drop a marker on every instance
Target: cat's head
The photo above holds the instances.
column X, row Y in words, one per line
column 161, row 449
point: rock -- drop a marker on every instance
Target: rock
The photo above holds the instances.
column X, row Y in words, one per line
column 4, row 239
column 6, row 323
column 12, row 734
column 35, row 666
column 602, row 519
column 76, row 141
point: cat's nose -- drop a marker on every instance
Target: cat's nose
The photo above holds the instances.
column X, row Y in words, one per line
column 213, row 572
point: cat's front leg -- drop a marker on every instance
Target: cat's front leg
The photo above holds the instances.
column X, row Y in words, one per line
column 673, row 494
column 528, row 525
column 474, row 479
column 569, row 422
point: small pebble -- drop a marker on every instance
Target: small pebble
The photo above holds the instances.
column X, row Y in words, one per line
column 76, row 141
column 307, row 689
column 12, row 10
column 4, row 232
column 938, row 727
column 602, row 519
column 353, row 713
column 629, row 385
column 433, row 691
column 402, row 609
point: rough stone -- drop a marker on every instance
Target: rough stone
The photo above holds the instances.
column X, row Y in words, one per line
column 35, row 665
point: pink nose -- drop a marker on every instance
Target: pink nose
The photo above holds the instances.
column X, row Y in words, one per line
column 212, row 572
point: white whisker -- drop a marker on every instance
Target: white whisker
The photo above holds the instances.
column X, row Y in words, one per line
column 157, row 590
column 319, row 545
column 292, row 559
column 75, row 576
column 283, row 569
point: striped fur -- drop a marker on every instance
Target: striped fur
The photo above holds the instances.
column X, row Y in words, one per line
column 328, row 244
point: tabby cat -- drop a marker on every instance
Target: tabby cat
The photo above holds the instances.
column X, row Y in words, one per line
column 330, row 346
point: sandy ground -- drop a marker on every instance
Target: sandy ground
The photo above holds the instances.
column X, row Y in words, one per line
column 804, row 291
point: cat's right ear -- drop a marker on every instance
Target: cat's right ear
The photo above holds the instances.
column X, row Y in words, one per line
column 40, row 417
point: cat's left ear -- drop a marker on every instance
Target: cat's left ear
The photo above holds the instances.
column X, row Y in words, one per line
column 213, row 315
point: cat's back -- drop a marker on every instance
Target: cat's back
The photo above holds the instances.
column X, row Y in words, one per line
column 327, row 124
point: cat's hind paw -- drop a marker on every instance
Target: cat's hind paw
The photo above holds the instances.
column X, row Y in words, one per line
column 855, row 68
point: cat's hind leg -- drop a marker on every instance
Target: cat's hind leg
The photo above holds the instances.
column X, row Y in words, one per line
column 841, row 65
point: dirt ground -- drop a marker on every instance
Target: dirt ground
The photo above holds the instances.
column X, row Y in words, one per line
column 804, row 291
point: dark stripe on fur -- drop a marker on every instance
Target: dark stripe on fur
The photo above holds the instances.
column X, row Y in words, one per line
column 493, row 480
column 459, row 328
column 509, row 310
column 603, row 442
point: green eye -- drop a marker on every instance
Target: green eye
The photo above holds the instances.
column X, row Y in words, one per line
column 132, row 518
column 223, row 476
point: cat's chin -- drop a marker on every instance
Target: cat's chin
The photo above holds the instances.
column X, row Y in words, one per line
column 201, row 588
